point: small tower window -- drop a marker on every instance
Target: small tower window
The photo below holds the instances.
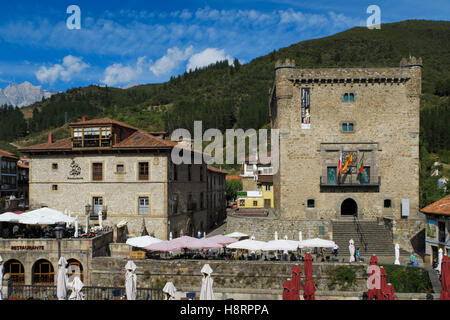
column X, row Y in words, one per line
column 311, row 203
column 346, row 97
column 387, row 203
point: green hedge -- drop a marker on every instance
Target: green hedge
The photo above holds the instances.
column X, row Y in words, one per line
column 408, row 279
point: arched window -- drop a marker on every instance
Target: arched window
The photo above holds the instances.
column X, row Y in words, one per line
column 75, row 269
column 346, row 97
column 43, row 272
column 352, row 97
column 15, row 270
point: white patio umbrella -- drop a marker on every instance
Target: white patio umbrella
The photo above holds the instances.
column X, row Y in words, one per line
column 142, row 242
column 76, row 285
column 170, row 290
column 100, row 218
column 440, row 256
column 1, row 278
column 9, row 217
column 170, row 236
column 397, row 254
column 284, row 245
column 351, row 249
column 248, row 244
column 237, row 235
column 62, row 279
column 130, row 280
column 317, row 243
column 206, row 292
column 44, row 216
column 76, row 227
column 276, row 235
column 300, row 237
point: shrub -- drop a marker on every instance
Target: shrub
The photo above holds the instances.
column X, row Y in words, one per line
column 344, row 277
column 408, row 279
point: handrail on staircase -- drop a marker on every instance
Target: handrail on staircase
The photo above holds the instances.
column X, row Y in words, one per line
column 360, row 233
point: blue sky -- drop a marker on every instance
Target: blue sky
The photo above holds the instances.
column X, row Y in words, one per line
column 124, row 42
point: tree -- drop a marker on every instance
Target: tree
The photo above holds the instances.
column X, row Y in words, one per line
column 232, row 187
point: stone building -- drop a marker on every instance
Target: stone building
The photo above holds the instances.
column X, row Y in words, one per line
column 126, row 174
column 367, row 115
column 437, row 234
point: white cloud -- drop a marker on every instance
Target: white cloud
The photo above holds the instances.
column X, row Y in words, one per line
column 118, row 73
column 173, row 58
column 207, row 57
column 71, row 66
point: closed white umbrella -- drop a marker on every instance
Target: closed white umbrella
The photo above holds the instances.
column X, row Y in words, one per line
column 170, row 236
column 76, row 227
column 397, row 254
column 62, row 279
column 170, row 290
column 300, row 237
column 206, row 292
column 130, row 280
column 440, row 256
column 317, row 243
column 1, row 278
column 76, row 285
column 351, row 249
column 276, row 235
column 100, row 218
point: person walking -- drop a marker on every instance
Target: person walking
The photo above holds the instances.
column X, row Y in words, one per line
column 358, row 255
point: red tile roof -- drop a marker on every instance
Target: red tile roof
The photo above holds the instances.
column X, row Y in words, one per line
column 4, row 153
column 441, row 207
column 213, row 169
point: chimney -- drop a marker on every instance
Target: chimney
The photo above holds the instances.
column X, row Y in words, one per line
column 50, row 138
column 84, row 118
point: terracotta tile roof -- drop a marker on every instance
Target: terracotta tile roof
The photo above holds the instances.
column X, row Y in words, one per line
column 441, row 207
column 234, row 177
column 58, row 145
column 4, row 153
column 102, row 121
column 213, row 169
column 142, row 139
column 265, row 178
column 21, row 164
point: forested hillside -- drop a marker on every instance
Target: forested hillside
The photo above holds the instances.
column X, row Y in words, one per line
column 226, row 96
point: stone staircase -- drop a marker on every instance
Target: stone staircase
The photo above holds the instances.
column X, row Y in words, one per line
column 370, row 237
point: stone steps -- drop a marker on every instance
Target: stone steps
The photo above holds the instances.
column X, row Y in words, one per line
column 377, row 237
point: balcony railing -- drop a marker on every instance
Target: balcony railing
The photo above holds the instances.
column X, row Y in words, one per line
column 350, row 181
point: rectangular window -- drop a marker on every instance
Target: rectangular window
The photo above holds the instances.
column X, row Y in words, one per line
column 267, row 187
column 344, row 127
column 331, row 175
column 120, row 168
column 306, row 106
column 97, row 171
column 255, row 203
column 55, row 187
column 143, row 205
column 54, row 166
column 387, row 203
column 97, row 205
column 242, row 203
column 365, row 176
column 350, row 127
column 143, row 170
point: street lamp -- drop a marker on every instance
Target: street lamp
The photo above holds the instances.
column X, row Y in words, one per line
column 87, row 207
column 59, row 231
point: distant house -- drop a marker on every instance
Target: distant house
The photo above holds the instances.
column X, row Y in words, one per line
column 437, row 233
column 261, row 198
column 8, row 174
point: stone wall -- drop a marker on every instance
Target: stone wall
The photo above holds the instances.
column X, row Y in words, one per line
column 109, row 271
column 264, row 228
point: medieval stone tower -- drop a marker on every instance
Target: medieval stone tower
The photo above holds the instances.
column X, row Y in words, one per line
column 365, row 117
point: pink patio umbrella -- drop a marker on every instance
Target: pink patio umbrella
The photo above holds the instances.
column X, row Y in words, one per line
column 223, row 240
column 309, row 288
column 172, row 245
column 445, row 278
column 203, row 243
